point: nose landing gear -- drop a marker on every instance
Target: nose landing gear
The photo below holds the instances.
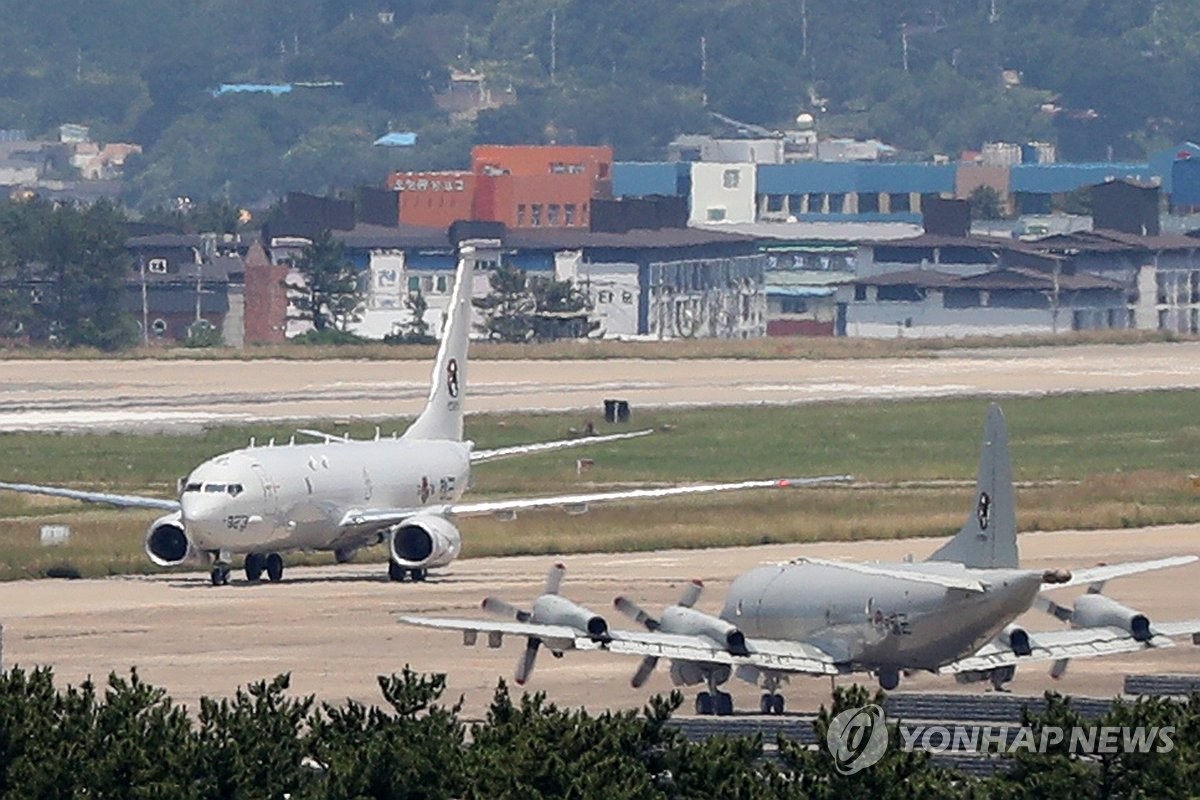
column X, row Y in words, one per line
column 399, row 573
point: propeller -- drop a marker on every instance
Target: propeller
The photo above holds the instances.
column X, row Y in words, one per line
column 691, row 593
column 527, row 660
column 549, row 598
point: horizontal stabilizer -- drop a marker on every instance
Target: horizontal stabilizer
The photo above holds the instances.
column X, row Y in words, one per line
column 479, row 456
column 1110, row 571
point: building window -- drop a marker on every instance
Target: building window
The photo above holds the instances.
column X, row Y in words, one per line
column 414, row 283
column 552, row 214
column 860, row 292
column 715, row 214
column 520, row 215
column 898, row 201
column 159, row 326
column 569, row 214
column 535, row 215
column 774, row 203
column 426, row 284
column 732, row 178
column 441, row 284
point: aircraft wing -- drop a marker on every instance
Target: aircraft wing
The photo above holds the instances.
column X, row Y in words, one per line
column 374, row 518
column 947, row 581
column 119, row 500
column 581, row 501
column 1110, row 571
column 1079, row 643
column 780, row 656
column 478, row 456
column 563, row 635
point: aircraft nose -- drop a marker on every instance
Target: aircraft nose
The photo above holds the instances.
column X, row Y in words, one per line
column 199, row 508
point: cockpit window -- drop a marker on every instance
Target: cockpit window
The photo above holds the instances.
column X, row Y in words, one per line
column 192, row 487
column 235, row 489
column 214, row 488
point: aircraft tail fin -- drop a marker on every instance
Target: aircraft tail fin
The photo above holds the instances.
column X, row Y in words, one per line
column 443, row 414
column 989, row 537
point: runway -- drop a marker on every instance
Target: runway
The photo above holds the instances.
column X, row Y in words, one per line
column 333, row 627
column 180, row 395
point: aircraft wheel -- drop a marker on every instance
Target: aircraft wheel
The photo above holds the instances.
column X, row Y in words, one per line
column 419, row 574
column 765, row 705
column 777, row 704
column 889, row 679
column 275, row 567
column 396, row 572
column 254, row 566
column 220, row 575
column 724, row 704
column 704, row 704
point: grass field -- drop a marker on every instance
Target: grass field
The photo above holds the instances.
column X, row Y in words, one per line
column 762, row 348
column 1085, row 461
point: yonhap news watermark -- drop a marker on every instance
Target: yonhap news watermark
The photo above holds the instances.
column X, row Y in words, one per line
column 859, row 737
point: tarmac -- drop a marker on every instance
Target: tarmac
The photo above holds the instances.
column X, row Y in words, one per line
column 334, row 629
column 180, row 395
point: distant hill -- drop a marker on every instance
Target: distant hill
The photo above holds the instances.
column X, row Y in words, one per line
column 1100, row 78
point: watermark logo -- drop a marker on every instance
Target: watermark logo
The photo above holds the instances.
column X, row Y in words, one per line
column 857, row 738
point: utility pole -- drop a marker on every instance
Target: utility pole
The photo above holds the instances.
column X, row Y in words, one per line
column 704, row 71
column 553, row 44
column 904, row 44
column 145, row 302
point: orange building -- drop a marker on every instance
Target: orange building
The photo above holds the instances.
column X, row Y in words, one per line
column 522, row 186
column 434, row 199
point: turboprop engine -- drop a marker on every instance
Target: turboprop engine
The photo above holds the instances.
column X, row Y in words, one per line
column 425, row 541
column 1096, row 610
column 168, row 545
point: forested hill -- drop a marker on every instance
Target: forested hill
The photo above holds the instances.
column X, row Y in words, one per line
column 1099, row 77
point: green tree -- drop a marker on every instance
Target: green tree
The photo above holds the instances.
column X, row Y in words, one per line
column 329, row 295
column 985, row 203
column 508, row 308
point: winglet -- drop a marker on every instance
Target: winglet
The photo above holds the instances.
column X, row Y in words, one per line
column 443, row 414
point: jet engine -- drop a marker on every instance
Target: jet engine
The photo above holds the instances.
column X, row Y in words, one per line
column 425, row 541
column 1017, row 638
column 1096, row 610
column 168, row 545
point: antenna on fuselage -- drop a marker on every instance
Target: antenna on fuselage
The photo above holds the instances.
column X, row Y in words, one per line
column 377, row 433
column 271, row 443
column 292, row 441
column 252, row 441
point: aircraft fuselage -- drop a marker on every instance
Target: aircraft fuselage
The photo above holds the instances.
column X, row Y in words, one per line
column 879, row 622
column 292, row 497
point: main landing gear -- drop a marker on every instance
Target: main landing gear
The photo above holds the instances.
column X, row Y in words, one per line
column 772, row 701
column 714, row 701
column 888, row 679
column 256, row 565
column 399, row 573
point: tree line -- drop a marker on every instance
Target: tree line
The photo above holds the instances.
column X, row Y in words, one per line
column 129, row 739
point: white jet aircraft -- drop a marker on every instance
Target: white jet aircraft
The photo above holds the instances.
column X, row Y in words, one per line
column 341, row 495
column 952, row 614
